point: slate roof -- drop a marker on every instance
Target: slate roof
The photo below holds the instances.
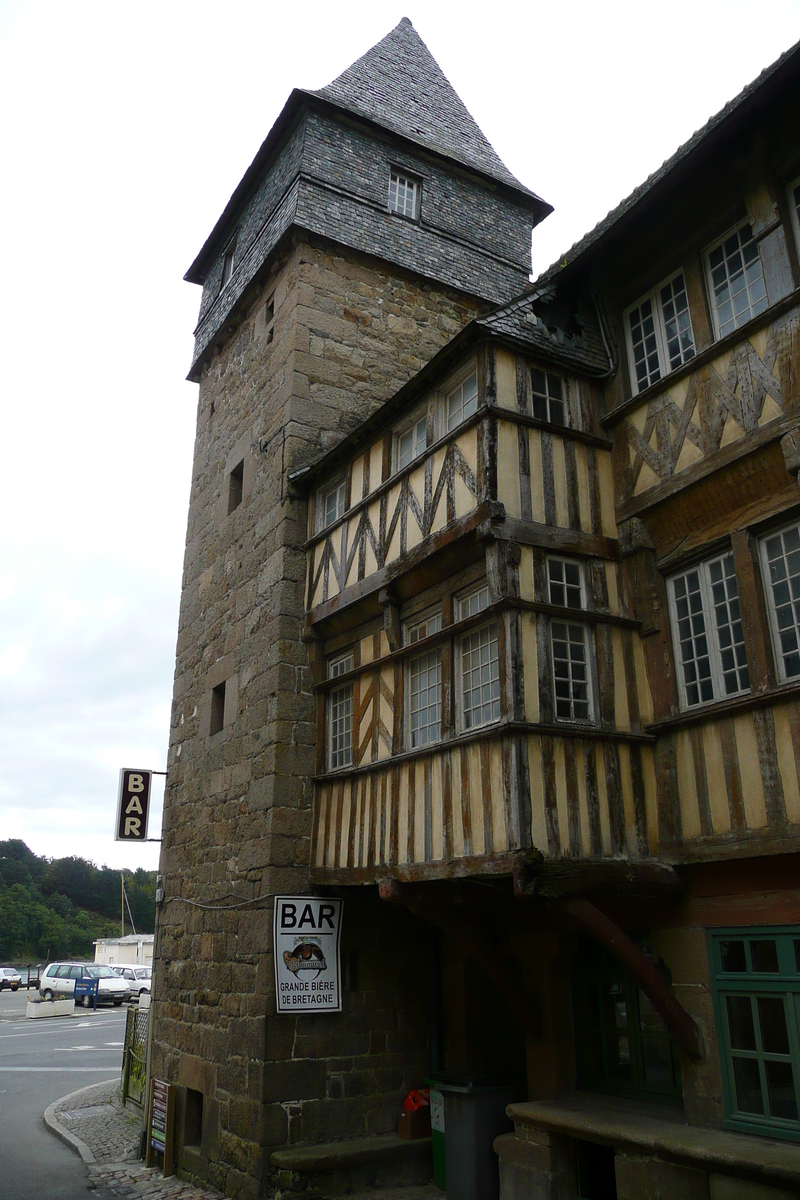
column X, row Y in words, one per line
column 399, row 85
column 733, row 108
column 545, row 324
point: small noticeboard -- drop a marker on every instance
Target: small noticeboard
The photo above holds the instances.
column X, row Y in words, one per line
column 159, row 1138
column 133, row 805
column 307, row 969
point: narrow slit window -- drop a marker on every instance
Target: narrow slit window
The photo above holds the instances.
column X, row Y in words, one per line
column 269, row 318
column 228, row 261
column 217, row 709
column 235, row 483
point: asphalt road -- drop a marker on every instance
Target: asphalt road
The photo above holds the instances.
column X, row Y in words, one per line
column 41, row 1061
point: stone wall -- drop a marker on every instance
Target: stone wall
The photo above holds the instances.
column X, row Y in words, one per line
column 346, row 334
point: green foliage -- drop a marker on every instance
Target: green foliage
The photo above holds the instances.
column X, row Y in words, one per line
column 57, row 907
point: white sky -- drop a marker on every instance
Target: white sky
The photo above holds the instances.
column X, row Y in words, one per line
column 125, row 129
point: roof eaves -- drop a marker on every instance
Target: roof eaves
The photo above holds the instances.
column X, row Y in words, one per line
column 716, row 125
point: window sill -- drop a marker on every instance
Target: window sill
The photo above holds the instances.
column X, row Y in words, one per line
column 660, row 1130
column 726, row 708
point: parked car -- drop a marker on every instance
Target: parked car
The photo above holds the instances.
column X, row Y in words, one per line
column 58, row 982
column 9, row 978
column 139, row 979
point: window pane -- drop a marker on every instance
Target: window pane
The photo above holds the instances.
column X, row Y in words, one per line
column 462, row 402
column 780, row 1090
column 564, row 580
column 732, row 956
column 772, row 1020
column 548, row 396
column 740, row 1022
column 678, row 334
column 782, row 552
column 644, row 343
column 570, row 671
column 341, row 726
column 475, row 602
column 764, row 956
column 748, row 1085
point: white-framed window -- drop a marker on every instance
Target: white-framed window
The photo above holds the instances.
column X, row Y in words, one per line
column 569, row 643
column 404, row 194
column 780, row 558
column 572, row 697
column 473, row 602
column 736, row 280
column 331, row 505
column 228, row 259
column 547, row 390
column 658, row 328
column 794, row 206
column 462, row 401
column 565, row 582
column 410, row 442
column 707, row 633
column 424, row 683
column 340, row 715
column 480, row 677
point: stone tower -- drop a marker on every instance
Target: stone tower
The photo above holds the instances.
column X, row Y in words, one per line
column 374, row 222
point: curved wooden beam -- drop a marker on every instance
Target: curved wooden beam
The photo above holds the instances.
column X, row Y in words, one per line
column 677, row 1020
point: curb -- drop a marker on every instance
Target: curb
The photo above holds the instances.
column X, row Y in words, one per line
column 69, row 1139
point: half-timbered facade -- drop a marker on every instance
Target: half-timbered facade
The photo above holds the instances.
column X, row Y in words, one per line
column 553, row 614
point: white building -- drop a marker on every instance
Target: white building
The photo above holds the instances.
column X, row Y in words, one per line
column 135, row 949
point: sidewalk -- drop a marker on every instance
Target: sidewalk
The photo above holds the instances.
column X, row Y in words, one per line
column 94, row 1123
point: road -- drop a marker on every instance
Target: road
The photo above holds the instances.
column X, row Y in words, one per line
column 41, row 1061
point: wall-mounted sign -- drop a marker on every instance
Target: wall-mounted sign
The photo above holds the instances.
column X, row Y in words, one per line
column 162, row 1107
column 133, row 805
column 307, row 970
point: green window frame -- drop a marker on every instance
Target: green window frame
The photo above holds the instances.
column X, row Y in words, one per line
column 621, row 1042
column 756, row 981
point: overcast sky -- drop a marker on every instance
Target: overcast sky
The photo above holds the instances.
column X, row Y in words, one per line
column 125, row 129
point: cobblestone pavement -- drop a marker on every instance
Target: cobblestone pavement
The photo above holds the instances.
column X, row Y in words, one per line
column 96, row 1125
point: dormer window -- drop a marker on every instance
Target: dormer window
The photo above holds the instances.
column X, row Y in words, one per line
column 404, row 194
column 228, row 261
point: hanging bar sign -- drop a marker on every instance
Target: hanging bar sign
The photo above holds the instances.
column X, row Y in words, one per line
column 307, row 932
column 133, row 805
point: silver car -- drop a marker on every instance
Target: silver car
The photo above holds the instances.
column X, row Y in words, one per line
column 58, row 982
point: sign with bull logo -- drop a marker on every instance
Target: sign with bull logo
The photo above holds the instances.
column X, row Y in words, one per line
column 307, row 931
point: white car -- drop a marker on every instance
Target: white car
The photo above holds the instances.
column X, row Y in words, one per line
column 58, row 982
column 9, row 978
column 140, row 979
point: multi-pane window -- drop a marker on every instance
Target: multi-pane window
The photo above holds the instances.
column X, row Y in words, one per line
column 707, row 629
column 572, row 698
column 756, row 974
column 403, row 194
column 565, row 582
column 472, row 603
column 568, row 643
column 411, row 443
column 340, row 715
column 737, row 280
column 462, row 402
column 424, row 684
column 781, row 561
column 659, row 329
column 480, row 677
column 548, row 396
column 331, row 505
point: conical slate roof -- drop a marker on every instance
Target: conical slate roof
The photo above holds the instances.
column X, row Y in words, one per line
column 399, row 85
